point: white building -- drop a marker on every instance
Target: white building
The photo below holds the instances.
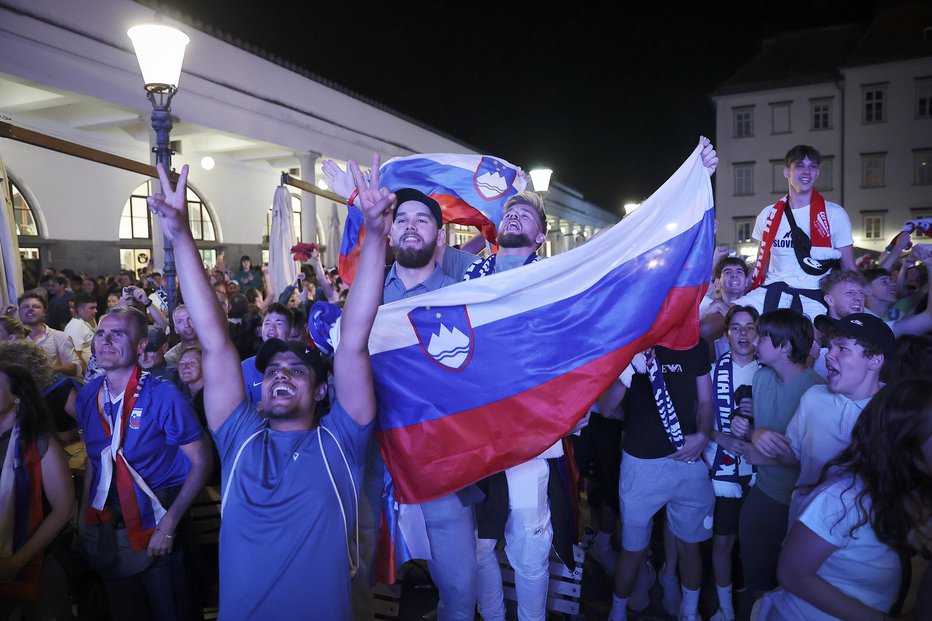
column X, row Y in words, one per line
column 861, row 95
column 67, row 70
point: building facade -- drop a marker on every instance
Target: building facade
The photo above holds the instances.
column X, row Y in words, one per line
column 861, row 95
column 241, row 118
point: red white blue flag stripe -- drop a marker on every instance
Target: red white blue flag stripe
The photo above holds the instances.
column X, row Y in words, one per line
column 486, row 374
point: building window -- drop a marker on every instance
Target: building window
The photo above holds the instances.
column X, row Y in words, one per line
column 826, row 179
column 295, row 216
column 922, row 167
column 744, row 230
column 872, row 165
column 780, row 117
column 873, row 226
column 744, row 122
column 744, row 179
column 136, row 223
column 821, row 114
column 23, row 215
column 875, row 109
column 924, row 98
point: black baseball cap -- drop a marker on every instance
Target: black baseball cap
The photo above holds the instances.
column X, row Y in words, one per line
column 864, row 327
column 306, row 353
column 410, row 194
column 155, row 338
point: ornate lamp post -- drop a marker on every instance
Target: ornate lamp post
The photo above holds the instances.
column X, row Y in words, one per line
column 160, row 52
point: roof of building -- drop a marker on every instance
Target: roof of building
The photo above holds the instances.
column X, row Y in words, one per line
column 796, row 58
column 896, row 33
column 281, row 62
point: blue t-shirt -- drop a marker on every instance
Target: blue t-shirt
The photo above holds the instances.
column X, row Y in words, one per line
column 161, row 421
column 252, row 381
column 282, row 542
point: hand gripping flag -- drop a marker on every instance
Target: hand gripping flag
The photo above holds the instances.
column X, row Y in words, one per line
column 471, row 190
column 483, row 375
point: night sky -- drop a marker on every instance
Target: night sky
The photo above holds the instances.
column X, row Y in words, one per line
column 611, row 97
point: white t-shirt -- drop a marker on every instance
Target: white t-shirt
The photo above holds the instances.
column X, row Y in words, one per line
column 783, row 264
column 818, row 432
column 861, row 567
column 81, row 334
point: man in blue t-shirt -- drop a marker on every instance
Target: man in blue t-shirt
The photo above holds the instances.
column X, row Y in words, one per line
column 277, row 322
column 147, row 461
column 290, row 478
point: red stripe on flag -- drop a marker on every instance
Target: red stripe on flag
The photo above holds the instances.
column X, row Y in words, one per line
column 435, row 458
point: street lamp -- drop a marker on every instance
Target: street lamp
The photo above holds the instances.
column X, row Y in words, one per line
column 540, row 179
column 160, row 52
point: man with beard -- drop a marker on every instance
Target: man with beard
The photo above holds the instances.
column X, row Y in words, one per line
column 290, row 477
column 416, row 234
column 517, row 506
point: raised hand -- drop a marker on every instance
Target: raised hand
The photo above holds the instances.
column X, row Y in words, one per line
column 376, row 203
column 171, row 206
column 340, row 181
column 709, row 156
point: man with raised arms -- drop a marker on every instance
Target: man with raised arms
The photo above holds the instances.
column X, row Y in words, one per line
column 289, row 480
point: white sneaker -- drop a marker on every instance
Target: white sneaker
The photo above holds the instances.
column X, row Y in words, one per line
column 722, row 615
column 691, row 617
column 640, row 597
column 672, row 596
column 605, row 558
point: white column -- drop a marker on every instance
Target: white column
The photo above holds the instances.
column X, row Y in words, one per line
column 308, row 199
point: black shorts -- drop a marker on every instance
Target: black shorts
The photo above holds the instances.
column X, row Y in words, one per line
column 597, row 450
column 726, row 514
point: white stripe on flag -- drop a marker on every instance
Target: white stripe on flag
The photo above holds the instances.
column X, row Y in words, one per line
column 679, row 204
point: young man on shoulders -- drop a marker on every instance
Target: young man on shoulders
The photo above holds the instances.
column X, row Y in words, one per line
column 290, row 479
column 786, row 274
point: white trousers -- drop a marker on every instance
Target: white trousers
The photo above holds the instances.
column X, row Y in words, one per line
column 528, row 538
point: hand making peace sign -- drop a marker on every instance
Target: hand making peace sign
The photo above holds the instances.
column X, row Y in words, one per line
column 375, row 203
column 171, row 206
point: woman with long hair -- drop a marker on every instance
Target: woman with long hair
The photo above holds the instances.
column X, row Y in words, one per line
column 36, row 501
column 58, row 391
column 840, row 559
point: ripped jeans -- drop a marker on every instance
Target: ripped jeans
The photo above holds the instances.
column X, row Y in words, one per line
column 528, row 537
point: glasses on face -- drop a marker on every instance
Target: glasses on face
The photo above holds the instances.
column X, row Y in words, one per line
column 742, row 329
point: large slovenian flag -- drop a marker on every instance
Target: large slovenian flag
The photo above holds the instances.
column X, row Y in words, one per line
column 471, row 190
column 486, row 374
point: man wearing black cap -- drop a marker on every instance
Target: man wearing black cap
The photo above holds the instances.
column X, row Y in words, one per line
column 416, row 234
column 859, row 345
column 290, row 479
column 153, row 358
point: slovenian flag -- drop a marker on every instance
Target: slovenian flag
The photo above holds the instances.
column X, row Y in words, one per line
column 483, row 375
column 471, row 190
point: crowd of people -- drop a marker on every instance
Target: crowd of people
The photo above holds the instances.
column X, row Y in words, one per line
column 795, row 435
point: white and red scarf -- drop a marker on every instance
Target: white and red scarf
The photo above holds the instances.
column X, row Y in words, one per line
column 819, row 232
column 139, row 523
